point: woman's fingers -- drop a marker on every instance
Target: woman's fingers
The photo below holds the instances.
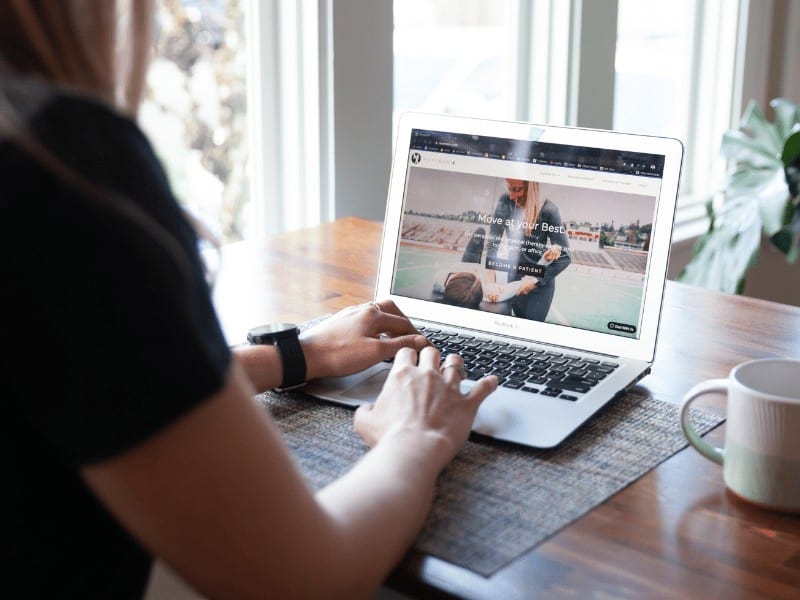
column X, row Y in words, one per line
column 406, row 356
column 452, row 370
column 429, row 358
column 484, row 387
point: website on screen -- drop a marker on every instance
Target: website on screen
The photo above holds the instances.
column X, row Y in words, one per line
column 546, row 232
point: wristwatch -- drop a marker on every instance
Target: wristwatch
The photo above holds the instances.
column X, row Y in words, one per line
column 285, row 337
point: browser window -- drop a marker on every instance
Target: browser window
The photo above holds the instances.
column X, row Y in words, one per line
column 539, row 231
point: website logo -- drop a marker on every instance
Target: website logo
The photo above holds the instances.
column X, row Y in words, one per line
column 416, row 157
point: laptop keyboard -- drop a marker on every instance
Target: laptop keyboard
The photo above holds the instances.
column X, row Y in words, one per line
column 530, row 369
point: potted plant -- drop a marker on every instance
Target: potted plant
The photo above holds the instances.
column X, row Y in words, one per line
column 762, row 193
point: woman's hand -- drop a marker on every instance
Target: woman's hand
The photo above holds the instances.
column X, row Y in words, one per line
column 552, row 253
column 356, row 338
column 422, row 406
column 492, row 292
column 527, row 286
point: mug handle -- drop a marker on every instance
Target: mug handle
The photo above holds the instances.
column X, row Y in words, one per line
column 702, row 446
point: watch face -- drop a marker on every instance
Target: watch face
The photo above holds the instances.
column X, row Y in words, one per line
column 266, row 334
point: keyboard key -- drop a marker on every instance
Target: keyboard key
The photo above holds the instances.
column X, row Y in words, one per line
column 579, row 385
column 514, row 384
column 532, row 390
column 568, row 397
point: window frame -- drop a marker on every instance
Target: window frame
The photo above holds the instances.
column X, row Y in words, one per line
column 334, row 59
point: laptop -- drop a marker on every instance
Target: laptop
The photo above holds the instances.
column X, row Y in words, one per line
column 538, row 253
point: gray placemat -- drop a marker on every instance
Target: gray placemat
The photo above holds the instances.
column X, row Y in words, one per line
column 497, row 501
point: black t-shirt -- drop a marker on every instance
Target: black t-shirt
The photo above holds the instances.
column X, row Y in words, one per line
column 109, row 335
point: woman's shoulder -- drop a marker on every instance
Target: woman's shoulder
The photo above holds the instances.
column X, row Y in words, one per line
column 69, row 123
column 38, row 103
column 65, row 132
column 504, row 204
column 549, row 207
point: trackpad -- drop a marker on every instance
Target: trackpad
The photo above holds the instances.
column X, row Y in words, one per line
column 368, row 389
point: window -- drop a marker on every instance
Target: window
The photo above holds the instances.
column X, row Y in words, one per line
column 195, row 109
column 326, row 81
column 454, row 57
column 653, row 67
column 663, row 67
column 678, row 70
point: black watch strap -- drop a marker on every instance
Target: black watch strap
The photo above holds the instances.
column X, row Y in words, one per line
column 293, row 360
column 285, row 337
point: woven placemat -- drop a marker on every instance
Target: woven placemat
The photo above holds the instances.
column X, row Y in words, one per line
column 497, row 501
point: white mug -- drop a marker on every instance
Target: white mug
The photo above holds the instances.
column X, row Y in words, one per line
column 761, row 459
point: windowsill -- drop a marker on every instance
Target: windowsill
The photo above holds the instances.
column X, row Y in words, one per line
column 691, row 220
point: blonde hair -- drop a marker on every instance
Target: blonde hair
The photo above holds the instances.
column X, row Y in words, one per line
column 97, row 47
column 533, row 206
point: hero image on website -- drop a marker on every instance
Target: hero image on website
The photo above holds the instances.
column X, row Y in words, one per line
column 561, row 254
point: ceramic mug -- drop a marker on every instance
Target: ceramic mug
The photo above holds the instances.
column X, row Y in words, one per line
column 761, row 459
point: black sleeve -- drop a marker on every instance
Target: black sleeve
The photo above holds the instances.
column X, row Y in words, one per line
column 114, row 334
column 552, row 216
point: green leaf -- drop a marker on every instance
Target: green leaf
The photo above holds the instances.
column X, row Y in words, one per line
column 747, row 177
column 787, row 240
column 773, row 200
column 791, row 149
column 782, row 240
column 722, row 256
column 764, row 133
column 736, row 145
column 791, row 158
column 787, row 116
column 762, row 193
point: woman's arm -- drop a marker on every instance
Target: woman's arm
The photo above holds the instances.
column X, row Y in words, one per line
column 217, row 495
column 347, row 342
column 500, row 292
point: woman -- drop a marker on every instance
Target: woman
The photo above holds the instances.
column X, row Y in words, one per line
column 130, row 428
column 532, row 224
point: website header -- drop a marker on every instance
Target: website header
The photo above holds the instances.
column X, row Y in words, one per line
column 540, row 153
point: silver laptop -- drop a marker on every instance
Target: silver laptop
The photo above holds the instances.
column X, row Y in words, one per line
column 538, row 253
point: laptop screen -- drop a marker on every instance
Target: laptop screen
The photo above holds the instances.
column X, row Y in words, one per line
column 562, row 238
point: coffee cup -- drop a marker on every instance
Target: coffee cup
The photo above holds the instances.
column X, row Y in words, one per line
column 761, row 458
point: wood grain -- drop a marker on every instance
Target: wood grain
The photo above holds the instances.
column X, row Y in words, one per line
column 675, row 533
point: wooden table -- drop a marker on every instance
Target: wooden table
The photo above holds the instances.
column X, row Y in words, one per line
column 676, row 532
